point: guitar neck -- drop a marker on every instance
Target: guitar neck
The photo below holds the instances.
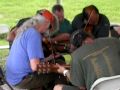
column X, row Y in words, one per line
column 67, row 66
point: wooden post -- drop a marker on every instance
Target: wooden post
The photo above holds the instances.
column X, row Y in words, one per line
column 59, row 2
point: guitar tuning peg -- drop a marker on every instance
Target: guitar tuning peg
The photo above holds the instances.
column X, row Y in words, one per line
column 48, row 70
column 39, row 71
column 43, row 63
column 44, row 71
column 48, row 62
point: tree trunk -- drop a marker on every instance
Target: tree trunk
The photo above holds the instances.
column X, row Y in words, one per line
column 59, row 1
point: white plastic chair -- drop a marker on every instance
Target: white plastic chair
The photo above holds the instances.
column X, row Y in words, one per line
column 5, row 87
column 4, row 28
column 107, row 83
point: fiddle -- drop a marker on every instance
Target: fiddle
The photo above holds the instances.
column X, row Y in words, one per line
column 62, row 46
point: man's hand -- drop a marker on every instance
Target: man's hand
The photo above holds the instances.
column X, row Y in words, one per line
column 51, row 57
column 34, row 63
column 61, row 69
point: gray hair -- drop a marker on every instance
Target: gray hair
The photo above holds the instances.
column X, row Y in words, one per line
column 38, row 19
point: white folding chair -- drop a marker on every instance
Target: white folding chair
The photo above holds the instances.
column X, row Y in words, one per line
column 107, row 83
column 5, row 87
column 4, row 28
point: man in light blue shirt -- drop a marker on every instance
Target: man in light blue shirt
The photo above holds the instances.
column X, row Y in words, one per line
column 25, row 48
column 27, row 53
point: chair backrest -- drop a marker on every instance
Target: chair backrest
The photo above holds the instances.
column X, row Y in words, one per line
column 1, row 73
column 4, row 28
column 1, row 88
column 1, row 77
column 3, row 81
column 107, row 83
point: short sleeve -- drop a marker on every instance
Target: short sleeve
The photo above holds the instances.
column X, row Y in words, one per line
column 34, row 46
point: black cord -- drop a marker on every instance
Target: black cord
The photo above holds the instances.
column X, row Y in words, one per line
column 4, row 80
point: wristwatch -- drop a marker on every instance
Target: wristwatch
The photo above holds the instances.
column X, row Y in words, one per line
column 65, row 72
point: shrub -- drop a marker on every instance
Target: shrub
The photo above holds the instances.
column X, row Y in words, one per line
column 3, row 36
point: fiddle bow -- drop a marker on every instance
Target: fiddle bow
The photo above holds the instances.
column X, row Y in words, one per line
column 88, row 28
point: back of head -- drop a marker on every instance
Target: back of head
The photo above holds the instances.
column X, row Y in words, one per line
column 78, row 37
column 89, row 8
column 57, row 7
column 47, row 14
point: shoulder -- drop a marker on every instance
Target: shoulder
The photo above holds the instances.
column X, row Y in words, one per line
column 104, row 21
column 86, row 49
column 104, row 17
column 66, row 21
column 78, row 16
column 78, row 19
column 106, row 40
column 83, row 51
column 32, row 32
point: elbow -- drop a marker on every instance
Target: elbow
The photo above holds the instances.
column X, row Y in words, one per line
column 34, row 64
column 34, row 68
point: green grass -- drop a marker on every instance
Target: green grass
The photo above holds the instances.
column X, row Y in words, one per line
column 3, row 57
column 67, row 58
column 3, row 53
column 3, row 42
column 12, row 10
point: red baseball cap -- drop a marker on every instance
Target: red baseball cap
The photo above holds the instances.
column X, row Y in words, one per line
column 48, row 15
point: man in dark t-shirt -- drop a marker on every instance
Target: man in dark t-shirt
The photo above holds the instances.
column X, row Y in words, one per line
column 92, row 17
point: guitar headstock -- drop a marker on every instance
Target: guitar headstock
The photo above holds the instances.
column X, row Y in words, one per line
column 47, row 67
